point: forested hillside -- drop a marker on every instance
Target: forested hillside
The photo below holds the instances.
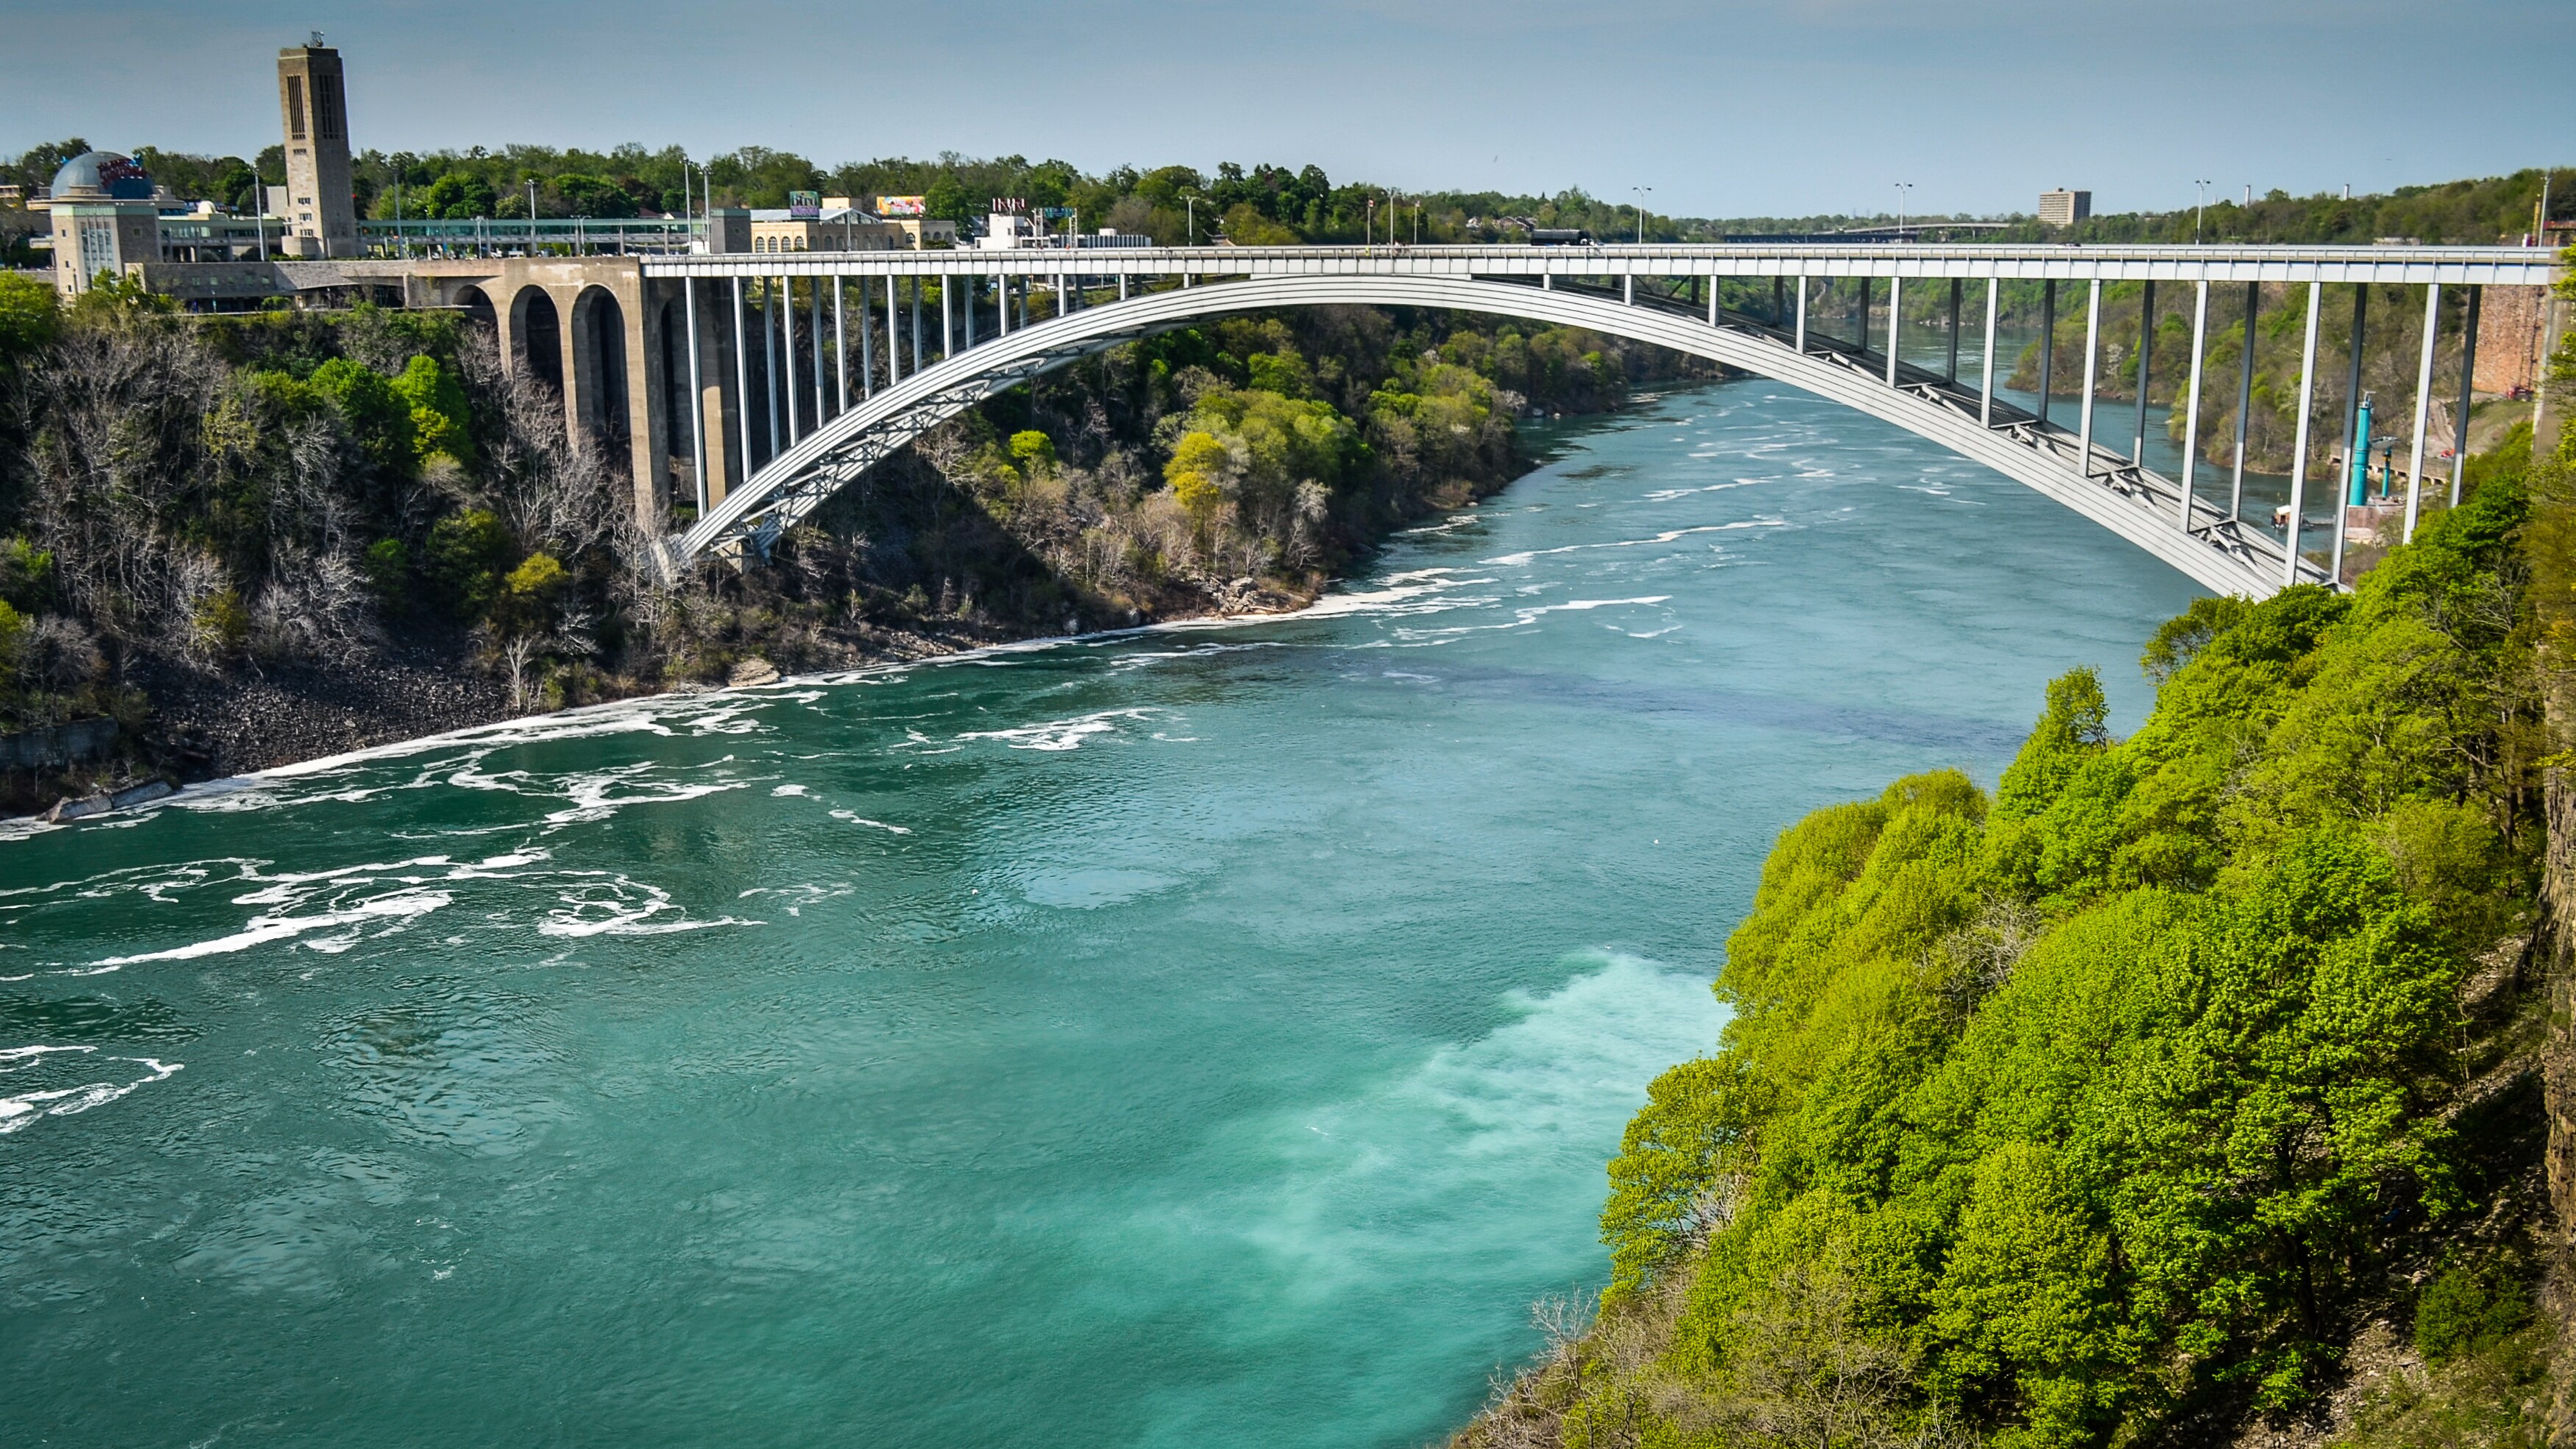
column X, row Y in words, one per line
column 2192, row 1088
column 254, row 537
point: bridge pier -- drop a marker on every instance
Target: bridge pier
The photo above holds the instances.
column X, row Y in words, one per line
column 2423, row 403
column 2299, row 449
column 2191, row 415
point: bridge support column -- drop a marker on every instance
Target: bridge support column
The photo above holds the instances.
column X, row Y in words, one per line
column 2350, row 471
column 2468, row 376
column 1986, row 365
column 2146, row 358
column 785, row 305
column 947, row 320
column 716, row 409
column 2092, row 354
column 814, row 325
column 2191, row 408
column 1628, row 289
column 741, row 384
column 1895, row 323
column 2299, row 448
column 1779, row 299
column 2244, row 404
column 2047, row 347
column 840, row 346
column 916, row 324
column 894, row 335
column 697, row 390
column 1122, row 296
column 1801, row 341
column 1860, row 329
column 867, row 345
column 648, row 403
column 769, row 365
column 1952, row 374
column 2423, row 404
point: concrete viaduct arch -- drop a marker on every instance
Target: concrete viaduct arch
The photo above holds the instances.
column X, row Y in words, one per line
column 2138, row 506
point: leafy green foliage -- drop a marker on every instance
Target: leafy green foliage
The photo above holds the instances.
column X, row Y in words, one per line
column 2115, row 1099
column 377, row 414
column 464, row 559
column 440, row 420
column 30, row 315
column 2469, row 1310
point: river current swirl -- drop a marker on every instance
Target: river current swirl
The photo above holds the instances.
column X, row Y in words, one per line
column 1205, row 1035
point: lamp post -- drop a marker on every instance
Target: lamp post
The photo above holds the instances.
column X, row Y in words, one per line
column 1191, row 204
column 1902, row 187
column 2201, row 187
column 1641, row 193
column 532, row 216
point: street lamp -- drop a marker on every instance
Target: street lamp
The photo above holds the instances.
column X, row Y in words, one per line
column 1902, row 187
column 1190, row 205
column 1641, row 193
column 2201, row 187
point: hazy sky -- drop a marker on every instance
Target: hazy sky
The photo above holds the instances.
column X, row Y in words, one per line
column 1729, row 108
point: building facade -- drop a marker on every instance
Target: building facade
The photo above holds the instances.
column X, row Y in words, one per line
column 2065, row 208
column 321, row 214
column 103, row 218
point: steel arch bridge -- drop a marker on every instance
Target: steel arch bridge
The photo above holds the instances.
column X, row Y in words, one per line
column 2193, row 529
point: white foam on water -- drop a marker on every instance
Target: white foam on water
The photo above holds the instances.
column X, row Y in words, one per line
column 1670, row 535
column 1426, row 1175
column 857, row 819
column 262, row 930
column 786, row 791
column 1666, row 495
column 21, row 1110
column 1062, row 734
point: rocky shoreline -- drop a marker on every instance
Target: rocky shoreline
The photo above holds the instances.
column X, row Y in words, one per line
column 209, row 724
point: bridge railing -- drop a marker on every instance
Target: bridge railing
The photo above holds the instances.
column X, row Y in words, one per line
column 1010, row 289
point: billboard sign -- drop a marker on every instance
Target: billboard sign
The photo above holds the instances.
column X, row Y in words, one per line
column 804, row 203
column 901, row 206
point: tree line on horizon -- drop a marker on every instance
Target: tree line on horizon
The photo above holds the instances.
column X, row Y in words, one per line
column 1251, row 205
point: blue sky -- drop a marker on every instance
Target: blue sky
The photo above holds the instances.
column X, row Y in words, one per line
column 1733, row 108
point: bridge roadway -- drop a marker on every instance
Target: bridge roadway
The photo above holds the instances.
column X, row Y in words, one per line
column 773, row 435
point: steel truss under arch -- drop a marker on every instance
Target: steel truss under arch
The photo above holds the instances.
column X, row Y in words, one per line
column 2215, row 549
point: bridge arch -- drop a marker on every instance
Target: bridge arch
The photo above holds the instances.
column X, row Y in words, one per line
column 599, row 365
column 536, row 335
column 2214, row 552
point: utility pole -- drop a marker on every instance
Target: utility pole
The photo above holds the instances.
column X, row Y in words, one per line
column 1191, row 204
column 532, row 216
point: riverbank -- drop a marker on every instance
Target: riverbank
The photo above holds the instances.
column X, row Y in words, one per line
column 1167, row 1021
column 2203, row 1085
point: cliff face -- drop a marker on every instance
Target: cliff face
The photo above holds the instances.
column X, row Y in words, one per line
column 2555, row 949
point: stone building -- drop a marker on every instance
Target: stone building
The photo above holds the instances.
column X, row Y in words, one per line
column 322, row 213
column 103, row 218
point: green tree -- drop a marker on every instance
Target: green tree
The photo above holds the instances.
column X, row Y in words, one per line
column 466, row 555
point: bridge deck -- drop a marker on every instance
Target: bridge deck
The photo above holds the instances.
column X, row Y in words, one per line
column 2399, row 265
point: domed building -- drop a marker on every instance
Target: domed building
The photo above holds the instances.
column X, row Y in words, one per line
column 104, row 218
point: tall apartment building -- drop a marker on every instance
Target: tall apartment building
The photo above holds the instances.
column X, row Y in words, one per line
column 2065, row 208
column 321, row 216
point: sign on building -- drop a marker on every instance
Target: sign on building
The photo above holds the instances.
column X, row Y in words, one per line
column 901, row 206
column 804, row 203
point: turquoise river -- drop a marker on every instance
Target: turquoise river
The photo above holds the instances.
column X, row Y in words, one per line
column 1208, row 1035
